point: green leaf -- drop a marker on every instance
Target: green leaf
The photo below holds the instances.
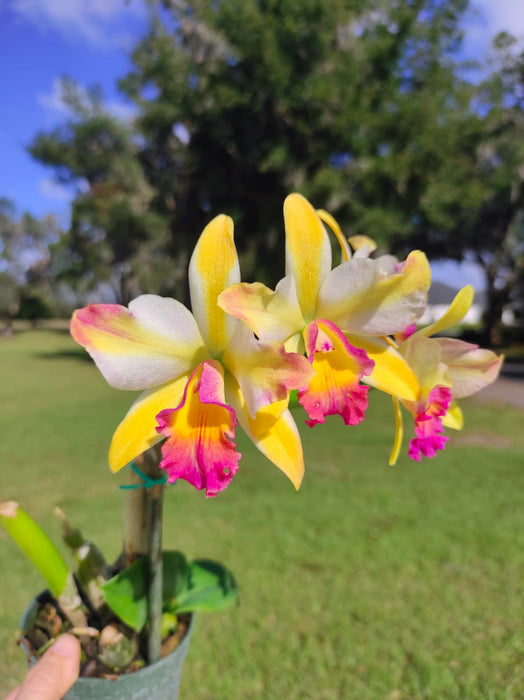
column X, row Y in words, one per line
column 36, row 545
column 211, row 587
column 175, row 576
column 202, row 585
column 126, row 594
column 293, row 399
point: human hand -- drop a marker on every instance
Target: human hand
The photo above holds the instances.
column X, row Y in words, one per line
column 54, row 674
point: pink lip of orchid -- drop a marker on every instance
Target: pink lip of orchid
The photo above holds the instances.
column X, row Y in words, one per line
column 446, row 369
column 199, row 373
column 339, row 316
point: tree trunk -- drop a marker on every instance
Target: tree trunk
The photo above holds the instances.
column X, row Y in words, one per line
column 496, row 298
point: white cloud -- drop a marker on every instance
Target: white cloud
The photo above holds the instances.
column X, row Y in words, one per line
column 485, row 19
column 52, row 101
column 54, row 190
column 54, row 105
column 103, row 23
column 503, row 15
column 121, row 110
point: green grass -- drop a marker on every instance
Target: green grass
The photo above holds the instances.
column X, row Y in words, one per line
column 370, row 583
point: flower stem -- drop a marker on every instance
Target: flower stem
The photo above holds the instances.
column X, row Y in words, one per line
column 135, row 521
column 154, row 506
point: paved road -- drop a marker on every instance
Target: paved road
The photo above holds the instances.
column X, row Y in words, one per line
column 508, row 389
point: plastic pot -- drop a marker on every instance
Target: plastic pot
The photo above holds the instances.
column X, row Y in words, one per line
column 160, row 681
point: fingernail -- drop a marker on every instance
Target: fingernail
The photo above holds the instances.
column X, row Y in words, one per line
column 64, row 646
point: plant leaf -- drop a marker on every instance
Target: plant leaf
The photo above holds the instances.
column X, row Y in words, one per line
column 211, row 587
column 36, row 545
column 202, row 585
column 175, row 576
column 126, row 594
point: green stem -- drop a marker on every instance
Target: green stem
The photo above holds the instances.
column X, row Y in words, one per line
column 154, row 505
column 135, row 521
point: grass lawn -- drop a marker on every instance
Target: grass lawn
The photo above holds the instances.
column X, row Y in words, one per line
column 370, row 583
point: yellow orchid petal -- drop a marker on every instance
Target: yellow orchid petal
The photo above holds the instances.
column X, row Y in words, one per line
column 364, row 244
column 213, row 267
column 267, row 416
column 391, row 373
column 265, row 373
column 333, row 225
column 423, row 355
column 282, row 446
column 458, row 308
column 137, row 432
column 453, row 418
column 273, row 431
column 295, row 343
column 273, row 316
column 363, row 296
column 308, row 251
column 399, row 432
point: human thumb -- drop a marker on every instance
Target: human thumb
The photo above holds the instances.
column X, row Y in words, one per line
column 55, row 673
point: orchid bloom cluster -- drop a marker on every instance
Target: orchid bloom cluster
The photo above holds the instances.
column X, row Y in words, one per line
column 328, row 333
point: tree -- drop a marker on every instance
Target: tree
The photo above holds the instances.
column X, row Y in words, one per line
column 25, row 244
column 116, row 236
column 474, row 203
column 240, row 102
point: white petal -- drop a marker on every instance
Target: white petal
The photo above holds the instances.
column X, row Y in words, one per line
column 152, row 342
column 360, row 296
column 471, row 368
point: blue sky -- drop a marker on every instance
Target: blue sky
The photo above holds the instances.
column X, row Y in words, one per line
column 89, row 40
column 41, row 40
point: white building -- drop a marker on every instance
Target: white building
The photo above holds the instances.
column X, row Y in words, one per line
column 440, row 296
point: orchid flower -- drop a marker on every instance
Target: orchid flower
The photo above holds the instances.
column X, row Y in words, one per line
column 446, row 369
column 199, row 373
column 338, row 316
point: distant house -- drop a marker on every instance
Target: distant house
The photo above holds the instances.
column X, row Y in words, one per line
column 440, row 296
